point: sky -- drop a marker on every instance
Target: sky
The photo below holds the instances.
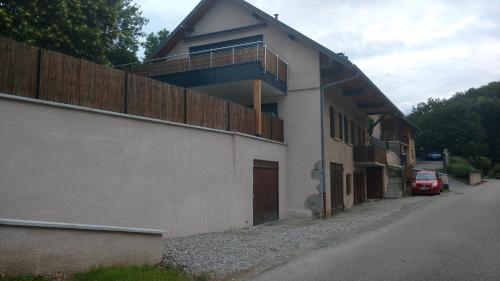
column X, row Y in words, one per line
column 411, row 50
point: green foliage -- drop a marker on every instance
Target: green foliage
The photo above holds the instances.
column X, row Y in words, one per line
column 133, row 273
column 467, row 124
column 495, row 172
column 459, row 167
column 482, row 163
column 23, row 278
column 119, row 273
column 460, row 170
column 153, row 42
column 103, row 31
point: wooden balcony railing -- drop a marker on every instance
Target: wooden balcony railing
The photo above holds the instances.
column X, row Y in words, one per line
column 392, row 136
column 369, row 154
column 272, row 62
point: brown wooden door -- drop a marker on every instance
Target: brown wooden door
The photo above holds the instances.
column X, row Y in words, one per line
column 265, row 192
column 374, row 183
column 359, row 188
column 337, row 187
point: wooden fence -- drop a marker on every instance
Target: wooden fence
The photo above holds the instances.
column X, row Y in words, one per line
column 38, row 73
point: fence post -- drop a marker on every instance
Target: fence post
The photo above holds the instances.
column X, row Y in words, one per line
column 277, row 66
column 265, row 59
column 185, row 106
column 233, row 55
column 228, row 116
column 125, row 98
column 38, row 73
column 271, row 135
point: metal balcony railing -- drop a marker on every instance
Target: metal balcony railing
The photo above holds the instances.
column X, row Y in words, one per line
column 272, row 62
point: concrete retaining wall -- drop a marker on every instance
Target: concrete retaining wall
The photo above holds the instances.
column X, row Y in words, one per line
column 75, row 165
column 48, row 248
column 475, row 178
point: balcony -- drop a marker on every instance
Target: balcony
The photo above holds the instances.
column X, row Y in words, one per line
column 221, row 65
column 370, row 155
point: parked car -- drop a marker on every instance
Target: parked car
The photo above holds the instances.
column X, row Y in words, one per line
column 426, row 182
column 435, row 155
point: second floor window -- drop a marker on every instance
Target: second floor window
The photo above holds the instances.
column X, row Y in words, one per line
column 332, row 122
column 346, row 129
column 341, row 126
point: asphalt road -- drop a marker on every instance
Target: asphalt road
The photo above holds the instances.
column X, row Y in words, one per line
column 455, row 236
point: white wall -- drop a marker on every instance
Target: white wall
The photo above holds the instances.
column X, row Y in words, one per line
column 78, row 166
column 300, row 109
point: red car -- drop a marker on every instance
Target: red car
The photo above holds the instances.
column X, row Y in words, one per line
column 426, row 182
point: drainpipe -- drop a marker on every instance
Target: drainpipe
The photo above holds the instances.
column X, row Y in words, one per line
column 322, row 98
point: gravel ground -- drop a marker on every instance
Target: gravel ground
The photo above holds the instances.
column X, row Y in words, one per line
column 235, row 251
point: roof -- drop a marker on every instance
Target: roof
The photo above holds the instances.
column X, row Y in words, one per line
column 197, row 13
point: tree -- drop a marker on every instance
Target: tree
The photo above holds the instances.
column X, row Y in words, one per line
column 103, row 31
column 467, row 123
column 129, row 27
column 153, row 42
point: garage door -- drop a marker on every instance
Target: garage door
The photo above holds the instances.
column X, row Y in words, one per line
column 337, row 187
column 265, row 192
column 359, row 188
column 374, row 182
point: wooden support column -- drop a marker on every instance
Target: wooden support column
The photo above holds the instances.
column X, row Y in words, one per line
column 257, row 106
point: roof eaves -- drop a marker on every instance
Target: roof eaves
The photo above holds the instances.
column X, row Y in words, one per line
column 182, row 25
column 363, row 76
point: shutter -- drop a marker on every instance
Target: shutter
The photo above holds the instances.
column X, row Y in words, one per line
column 332, row 122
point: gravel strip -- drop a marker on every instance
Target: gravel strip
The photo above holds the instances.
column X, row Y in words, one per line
column 236, row 251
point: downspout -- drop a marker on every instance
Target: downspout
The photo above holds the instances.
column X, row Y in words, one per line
column 322, row 99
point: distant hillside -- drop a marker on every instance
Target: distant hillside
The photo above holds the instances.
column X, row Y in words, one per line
column 468, row 124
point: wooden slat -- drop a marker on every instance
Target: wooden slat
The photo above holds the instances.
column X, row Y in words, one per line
column 277, row 129
column 266, row 126
column 18, row 68
column 154, row 99
column 271, row 60
column 79, row 82
column 242, row 119
column 206, row 111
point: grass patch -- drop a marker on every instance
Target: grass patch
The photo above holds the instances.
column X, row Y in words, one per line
column 120, row 273
column 133, row 273
column 23, row 278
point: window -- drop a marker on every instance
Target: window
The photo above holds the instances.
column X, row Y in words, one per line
column 348, row 181
column 346, row 129
column 341, row 127
column 426, row 176
column 230, row 43
column 353, row 131
column 332, row 122
column 270, row 109
column 360, row 137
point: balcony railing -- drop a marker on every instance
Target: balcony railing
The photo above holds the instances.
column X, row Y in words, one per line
column 392, row 136
column 272, row 62
column 370, row 154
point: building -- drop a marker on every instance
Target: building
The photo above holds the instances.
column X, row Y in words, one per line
column 231, row 49
column 251, row 122
column 397, row 136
